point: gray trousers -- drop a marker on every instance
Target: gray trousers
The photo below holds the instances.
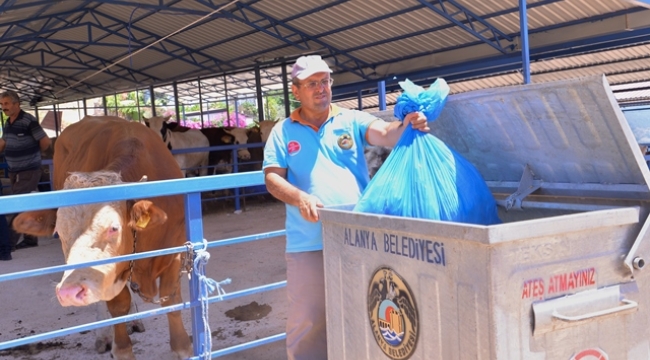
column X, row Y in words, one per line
column 24, row 182
column 306, row 331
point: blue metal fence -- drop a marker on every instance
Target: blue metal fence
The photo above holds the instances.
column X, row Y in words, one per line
column 236, row 164
column 191, row 189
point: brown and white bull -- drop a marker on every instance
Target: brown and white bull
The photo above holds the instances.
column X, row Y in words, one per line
column 100, row 151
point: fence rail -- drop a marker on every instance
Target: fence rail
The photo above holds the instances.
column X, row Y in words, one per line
column 190, row 188
column 235, row 164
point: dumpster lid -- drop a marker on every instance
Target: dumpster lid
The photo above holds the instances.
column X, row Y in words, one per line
column 571, row 133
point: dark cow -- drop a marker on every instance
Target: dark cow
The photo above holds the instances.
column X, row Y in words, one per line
column 257, row 153
column 258, row 134
column 107, row 150
column 191, row 138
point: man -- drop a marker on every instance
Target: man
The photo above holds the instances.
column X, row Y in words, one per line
column 5, row 245
column 314, row 159
column 22, row 141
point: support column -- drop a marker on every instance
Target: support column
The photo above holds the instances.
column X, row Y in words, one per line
column 176, row 104
column 201, row 104
column 285, row 90
column 360, row 100
column 525, row 51
column 153, row 100
column 381, row 92
column 56, row 121
column 258, row 89
column 225, row 90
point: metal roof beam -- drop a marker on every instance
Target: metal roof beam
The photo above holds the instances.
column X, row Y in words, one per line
column 472, row 23
column 45, row 73
column 217, row 62
column 168, row 8
column 500, row 64
column 45, row 17
column 403, row 11
column 84, row 66
column 48, row 67
column 285, row 20
column 114, row 71
column 48, row 18
column 9, row 5
column 65, row 44
column 296, row 38
column 37, row 37
column 545, row 30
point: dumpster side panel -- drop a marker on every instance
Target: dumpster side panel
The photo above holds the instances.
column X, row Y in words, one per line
column 475, row 295
column 542, row 269
column 449, row 296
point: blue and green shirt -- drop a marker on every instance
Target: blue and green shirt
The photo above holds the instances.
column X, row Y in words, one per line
column 328, row 163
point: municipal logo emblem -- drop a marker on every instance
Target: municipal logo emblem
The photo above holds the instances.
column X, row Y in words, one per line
column 293, row 147
column 345, row 142
column 393, row 314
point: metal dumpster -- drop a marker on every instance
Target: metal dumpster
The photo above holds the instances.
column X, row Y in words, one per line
column 562, row 278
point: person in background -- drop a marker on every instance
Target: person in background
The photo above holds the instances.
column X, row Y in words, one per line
column 22, row 141
column 312, row 159
column 5, row 243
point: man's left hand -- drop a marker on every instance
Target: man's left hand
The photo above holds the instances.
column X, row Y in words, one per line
column 418, row 121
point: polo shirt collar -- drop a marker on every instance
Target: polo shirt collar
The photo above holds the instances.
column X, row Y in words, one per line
column 295, row 116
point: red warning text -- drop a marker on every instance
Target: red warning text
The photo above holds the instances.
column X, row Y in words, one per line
column 558, row 284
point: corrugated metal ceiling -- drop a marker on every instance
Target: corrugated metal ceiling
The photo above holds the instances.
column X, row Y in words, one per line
column 56, row 51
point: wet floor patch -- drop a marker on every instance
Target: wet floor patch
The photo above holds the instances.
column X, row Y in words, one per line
column 252, row 311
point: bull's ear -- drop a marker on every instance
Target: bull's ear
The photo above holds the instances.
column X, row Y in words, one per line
column 145, row 214
column 39, row 222
column 226, row 139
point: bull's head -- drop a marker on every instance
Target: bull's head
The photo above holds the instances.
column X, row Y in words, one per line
column 240, row 138
column 93, row 232
column 265, row 128
column 160, row 126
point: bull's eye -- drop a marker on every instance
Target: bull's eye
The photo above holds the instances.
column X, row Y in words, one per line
column 114, row 229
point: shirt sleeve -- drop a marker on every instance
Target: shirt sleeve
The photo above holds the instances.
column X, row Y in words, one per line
column 364, row 120
column 275, row 150
column 37, row 131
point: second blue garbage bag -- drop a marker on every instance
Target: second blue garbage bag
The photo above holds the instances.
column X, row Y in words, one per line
column 423, row 177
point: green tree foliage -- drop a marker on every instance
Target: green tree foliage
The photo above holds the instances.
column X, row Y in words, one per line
column 248, row 108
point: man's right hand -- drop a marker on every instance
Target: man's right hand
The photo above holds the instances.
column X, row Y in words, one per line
column 308, row 207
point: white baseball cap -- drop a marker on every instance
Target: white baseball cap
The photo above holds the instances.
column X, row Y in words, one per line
column 307, row 66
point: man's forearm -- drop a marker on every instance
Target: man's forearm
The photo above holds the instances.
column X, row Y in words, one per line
column 382, row 133
column 44, row 143
column 282, row 190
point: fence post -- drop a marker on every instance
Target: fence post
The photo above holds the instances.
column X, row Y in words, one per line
column 194, row 228
column 235, row 169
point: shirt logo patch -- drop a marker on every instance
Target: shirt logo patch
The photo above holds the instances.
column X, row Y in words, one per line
column 345, row 142
column 293, row 147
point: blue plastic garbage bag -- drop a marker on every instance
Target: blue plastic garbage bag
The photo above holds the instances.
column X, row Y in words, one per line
column 423, row 177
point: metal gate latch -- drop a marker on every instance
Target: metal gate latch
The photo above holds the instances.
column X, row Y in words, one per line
column 527, row 185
